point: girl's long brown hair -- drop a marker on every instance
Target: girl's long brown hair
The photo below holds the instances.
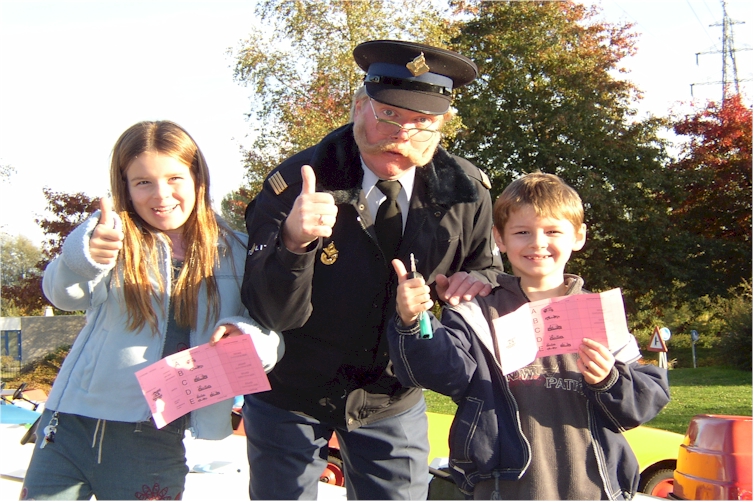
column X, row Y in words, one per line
column 139, row 262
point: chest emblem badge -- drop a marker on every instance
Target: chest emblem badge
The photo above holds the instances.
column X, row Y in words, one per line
column 329, row 254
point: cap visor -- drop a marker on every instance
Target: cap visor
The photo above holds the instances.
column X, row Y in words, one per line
column 422, row 102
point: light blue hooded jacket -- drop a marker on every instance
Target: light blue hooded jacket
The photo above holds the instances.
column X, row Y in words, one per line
column 97, row 379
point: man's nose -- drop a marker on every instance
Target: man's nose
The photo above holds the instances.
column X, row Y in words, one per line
column 402, row 134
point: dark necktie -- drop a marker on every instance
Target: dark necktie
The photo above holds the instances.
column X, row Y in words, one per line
column 388, row 223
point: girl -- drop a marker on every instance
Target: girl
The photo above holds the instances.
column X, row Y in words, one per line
column 157, row 271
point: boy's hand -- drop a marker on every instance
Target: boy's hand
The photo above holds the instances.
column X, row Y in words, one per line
column 413, row 295
column 106, row 241
column 595, row 361
column 460, row 286
column 222, row 331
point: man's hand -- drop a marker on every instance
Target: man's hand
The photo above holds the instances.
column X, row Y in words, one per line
column 223, row 331
column 413, row 295
column 595, row 361
column 460, row 286
column 313, row 215
column 106, row 241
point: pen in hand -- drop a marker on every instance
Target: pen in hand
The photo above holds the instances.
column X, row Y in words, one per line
column 425, row 326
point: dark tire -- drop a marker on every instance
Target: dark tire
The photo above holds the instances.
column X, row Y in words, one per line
column 658, row 484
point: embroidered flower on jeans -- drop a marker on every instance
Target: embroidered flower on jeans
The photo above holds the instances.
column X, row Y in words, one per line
column 154, row 493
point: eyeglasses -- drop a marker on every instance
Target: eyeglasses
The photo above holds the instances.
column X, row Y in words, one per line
column 390, row 128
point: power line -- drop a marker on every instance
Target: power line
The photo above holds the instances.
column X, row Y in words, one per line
column 704, row 28
column 729, row 68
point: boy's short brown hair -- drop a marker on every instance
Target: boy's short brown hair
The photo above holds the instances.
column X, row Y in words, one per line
column 548, row 194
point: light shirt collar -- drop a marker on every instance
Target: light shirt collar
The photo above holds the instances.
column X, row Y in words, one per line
column 375, row 197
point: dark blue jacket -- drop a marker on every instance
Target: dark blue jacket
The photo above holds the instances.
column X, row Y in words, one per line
column 485, row 437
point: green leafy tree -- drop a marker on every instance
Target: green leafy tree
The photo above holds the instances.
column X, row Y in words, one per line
column 714, row 215
column 233, row 208
column 19, row 258
column 548, row 99
column 25, row 297
column 302, row 71
column 19, row 264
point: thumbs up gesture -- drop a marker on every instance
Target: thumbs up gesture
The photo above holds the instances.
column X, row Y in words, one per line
column 107, row 240
column 313, row 214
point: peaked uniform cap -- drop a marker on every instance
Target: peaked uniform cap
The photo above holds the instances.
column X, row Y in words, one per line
column 411, row 75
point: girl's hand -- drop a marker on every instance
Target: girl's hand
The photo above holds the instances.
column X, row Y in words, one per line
column 106, row 241
column 413, row 295
column 595, row 361
column 222, row 331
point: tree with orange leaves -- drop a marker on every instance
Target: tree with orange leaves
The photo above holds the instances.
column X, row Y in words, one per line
column 715, row 211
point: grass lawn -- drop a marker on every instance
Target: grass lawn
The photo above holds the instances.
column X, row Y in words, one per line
column 693, row 391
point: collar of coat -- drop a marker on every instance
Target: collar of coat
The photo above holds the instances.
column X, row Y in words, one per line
column 337, row 164
column 574, row 284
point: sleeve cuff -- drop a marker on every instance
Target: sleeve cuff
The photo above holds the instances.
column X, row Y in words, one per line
column 269, row 345
column 404, row 330
column 608, row 382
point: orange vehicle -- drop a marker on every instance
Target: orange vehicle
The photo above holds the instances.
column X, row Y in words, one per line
column 714, row 460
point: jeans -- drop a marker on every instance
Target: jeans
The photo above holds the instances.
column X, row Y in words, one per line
column 385, row 460
column 108, row 460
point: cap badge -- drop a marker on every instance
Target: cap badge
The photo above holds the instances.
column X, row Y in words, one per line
column 329, row 254
column 418, row 66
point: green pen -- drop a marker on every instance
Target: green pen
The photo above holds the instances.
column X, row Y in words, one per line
column 425, row 326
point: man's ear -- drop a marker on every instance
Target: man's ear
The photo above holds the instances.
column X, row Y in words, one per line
column 358, row 105
column 580, row 236
column 498, row 240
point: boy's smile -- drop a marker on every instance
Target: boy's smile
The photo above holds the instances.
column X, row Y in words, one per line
column 539, row 247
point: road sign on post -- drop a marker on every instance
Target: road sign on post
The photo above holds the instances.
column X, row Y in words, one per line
column 657, row 344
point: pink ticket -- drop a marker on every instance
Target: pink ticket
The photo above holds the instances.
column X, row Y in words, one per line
column 200, row 376
column 557, row 326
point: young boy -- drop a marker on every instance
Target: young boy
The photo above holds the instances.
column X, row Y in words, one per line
column 551, row 430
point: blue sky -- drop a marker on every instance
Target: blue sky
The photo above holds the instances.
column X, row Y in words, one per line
column 75, row 73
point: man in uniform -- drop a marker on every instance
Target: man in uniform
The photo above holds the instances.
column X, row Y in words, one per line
column 319, row 271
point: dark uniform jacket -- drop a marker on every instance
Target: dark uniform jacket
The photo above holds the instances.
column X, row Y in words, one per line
column 332, row 303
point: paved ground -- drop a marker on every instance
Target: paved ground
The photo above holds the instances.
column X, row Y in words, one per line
column 219, row 468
